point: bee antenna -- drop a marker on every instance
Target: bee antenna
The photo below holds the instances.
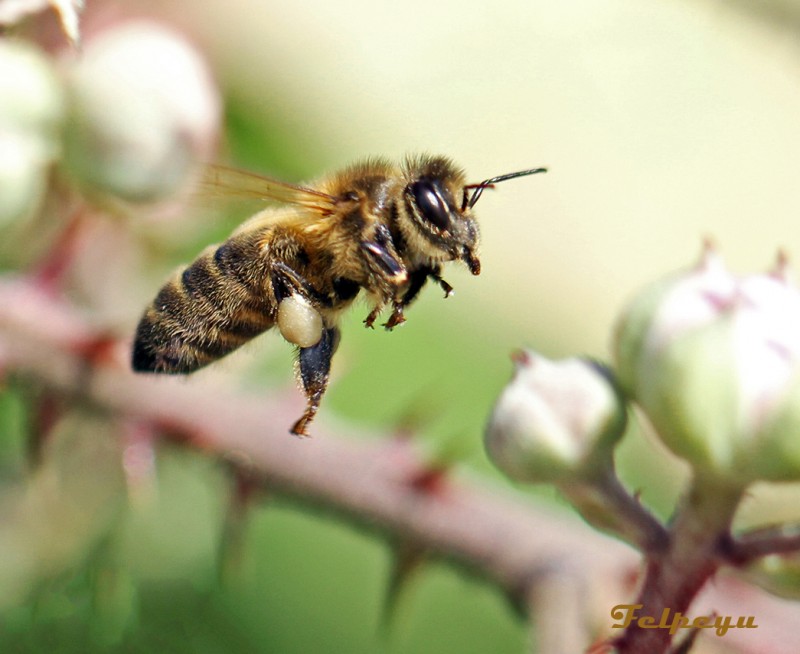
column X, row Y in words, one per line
column 477, row 189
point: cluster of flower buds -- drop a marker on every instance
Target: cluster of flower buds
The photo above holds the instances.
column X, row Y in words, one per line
column 711, row 359
column 126, row 118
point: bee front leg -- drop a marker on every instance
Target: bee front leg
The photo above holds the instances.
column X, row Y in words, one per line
column 448, row 290
column 314, row 365
column 387, row 268
column 369, row 321
column 417, row 280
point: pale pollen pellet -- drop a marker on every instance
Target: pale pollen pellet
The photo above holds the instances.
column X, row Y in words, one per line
column 299, row 322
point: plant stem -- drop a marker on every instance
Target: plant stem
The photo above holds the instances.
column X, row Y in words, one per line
column 675, row 576
column 606, row 505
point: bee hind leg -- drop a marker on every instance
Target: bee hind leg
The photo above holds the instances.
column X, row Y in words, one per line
column 286, row 281
column 314, row 365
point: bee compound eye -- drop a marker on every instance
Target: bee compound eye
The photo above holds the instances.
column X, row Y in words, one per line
column 431, row 204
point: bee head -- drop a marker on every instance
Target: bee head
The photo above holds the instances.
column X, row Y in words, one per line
column 433, row 221
column 438, row 205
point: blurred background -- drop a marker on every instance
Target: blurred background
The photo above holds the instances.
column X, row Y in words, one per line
column 661, row 124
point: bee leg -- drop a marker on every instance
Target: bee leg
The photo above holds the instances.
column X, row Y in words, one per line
column 369, row 321
column 314, row 365
column 286, row 281
column 384, row 258
column 417, row 281
column 448, row 290
column 397, row 318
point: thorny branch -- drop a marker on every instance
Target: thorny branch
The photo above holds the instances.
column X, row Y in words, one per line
column 567, row 576
column 780, row 539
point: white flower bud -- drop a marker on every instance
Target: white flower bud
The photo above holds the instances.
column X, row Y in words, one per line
column 555, row 420
column 31, row 108
column 299, row 322
column 714, row 362
column 144, row 108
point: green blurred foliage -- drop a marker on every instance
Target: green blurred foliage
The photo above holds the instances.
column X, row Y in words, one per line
column 12, row 434
column 305, row 584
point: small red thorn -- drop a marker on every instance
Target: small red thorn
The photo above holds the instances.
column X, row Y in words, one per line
column 179, row 434
column 98, row 351
column 632, row 578
column 430, row 481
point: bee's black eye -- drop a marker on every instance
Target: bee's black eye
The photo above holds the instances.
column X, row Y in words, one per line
column 430, row 203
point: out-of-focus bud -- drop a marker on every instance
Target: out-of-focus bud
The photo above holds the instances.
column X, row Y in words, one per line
column 31, row 96
column 143, row 110
column 778, row 574
column 23, row 176
column 714, row 362
column 31, row 108
column 555, row 421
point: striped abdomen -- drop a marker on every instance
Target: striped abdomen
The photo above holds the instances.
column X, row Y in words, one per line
column 206, row 311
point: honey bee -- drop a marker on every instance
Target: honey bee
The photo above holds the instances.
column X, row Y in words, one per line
column 377, row 227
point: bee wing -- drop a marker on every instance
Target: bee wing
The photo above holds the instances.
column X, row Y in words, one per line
column 231, row 182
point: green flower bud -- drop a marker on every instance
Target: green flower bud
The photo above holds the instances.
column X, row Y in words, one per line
column 713, row 362
column 143, row 110
column 556, row 420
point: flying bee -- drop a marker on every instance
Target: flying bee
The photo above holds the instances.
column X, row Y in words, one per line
column 376, row 227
